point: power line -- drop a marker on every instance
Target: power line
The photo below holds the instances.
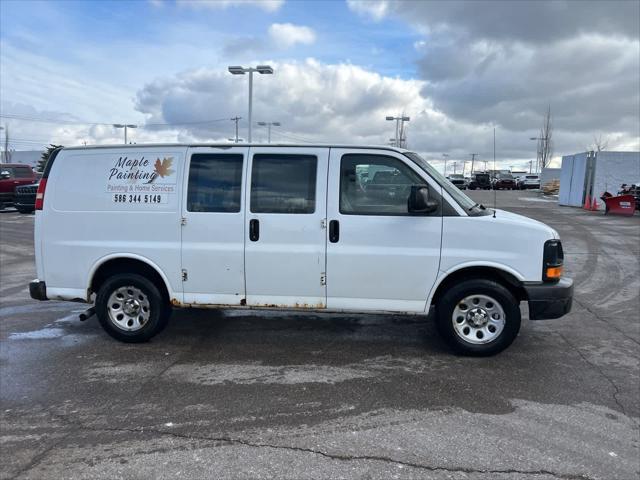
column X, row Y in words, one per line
column 28, row 118
column 294, row 137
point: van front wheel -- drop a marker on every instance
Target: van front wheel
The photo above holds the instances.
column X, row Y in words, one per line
column 478, row 317
column 131, row 308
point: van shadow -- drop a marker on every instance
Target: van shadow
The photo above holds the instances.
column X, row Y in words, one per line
column 266, row 332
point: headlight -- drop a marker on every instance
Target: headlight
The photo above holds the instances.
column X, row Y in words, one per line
column 552, row 261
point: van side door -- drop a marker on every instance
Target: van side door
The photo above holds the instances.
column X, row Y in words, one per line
column 379, row 256
column 285, row 226
column 213, row 226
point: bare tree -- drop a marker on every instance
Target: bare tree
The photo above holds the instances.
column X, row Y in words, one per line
column 599, row 144
column 545, row 141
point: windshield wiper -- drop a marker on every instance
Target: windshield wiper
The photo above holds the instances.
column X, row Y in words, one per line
column 479, row 205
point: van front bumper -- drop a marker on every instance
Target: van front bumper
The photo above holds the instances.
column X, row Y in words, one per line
column 38, row 290
column 549, row 300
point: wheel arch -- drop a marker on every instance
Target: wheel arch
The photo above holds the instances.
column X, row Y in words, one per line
column 127, row 263
column 509, row 279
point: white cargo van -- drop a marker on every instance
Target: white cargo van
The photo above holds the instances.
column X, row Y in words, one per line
column 138, row 229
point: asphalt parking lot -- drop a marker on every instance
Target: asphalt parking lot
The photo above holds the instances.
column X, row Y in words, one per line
column 239, row 394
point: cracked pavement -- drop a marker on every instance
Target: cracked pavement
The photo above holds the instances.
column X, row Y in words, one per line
column 241, row 394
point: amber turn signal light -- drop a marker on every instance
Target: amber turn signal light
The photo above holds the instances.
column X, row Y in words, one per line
column 554, row 272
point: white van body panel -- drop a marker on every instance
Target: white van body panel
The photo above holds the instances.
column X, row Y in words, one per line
column 213, row 244
column 510, row 242
column 286, row 267
column 381, row 263
column 83, row 221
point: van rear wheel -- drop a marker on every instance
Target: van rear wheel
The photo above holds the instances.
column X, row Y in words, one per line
column 478, row 317
column 131, row 308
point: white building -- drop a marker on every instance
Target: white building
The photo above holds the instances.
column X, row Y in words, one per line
column 593, row 173
column 28, row 157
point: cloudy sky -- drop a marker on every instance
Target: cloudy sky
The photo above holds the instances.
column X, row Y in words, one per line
column 69, row 70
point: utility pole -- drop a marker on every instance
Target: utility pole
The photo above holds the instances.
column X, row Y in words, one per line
column 6, row 141
column 473, row 158
column 455, row 167
column 530, row 165
column 235, row 119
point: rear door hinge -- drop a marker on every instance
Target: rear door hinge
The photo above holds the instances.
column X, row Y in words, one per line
column 185, row 276
column 183, row 221
column 323, row 223
column 323, row 278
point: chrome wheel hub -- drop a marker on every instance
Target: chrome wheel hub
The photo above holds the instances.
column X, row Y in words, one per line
column 128, row 308
column 478, row 319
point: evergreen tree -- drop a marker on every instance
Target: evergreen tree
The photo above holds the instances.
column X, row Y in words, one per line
column 45, row 157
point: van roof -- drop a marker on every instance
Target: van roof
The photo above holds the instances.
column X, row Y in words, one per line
column 229, row 145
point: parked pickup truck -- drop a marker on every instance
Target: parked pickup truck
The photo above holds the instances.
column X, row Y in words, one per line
column 13, row 175
column 156, row 227
column 458, row 180
column 25, row 198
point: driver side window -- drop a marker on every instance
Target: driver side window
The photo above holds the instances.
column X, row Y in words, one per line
column 377, row 185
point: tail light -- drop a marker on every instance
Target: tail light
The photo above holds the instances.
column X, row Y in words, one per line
column 40, row 194
column 553, row 261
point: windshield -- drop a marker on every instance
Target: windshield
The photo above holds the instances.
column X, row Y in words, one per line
column 465, row 202
column 506, row 176
column 456, row 176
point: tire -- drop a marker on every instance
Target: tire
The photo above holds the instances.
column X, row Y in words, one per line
column 493, row 299
column 133, row 288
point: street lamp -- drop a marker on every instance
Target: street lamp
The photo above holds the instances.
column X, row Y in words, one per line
column 268, row 125
column 445, row 156
column 120, row 125
column 399, row 127
column 540, row 151
column 261, row 69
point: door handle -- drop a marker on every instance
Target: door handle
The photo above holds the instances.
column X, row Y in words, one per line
column 334, row 231
column 254, row 230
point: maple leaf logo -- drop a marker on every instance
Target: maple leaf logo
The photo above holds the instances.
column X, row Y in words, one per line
column 162, row 168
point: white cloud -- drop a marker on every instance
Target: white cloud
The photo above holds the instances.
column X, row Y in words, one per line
column 376, row 9
column 267, row 5
column 286, row 35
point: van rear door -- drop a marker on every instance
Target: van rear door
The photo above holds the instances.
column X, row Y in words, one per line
column 285, row 227
column 213, row 226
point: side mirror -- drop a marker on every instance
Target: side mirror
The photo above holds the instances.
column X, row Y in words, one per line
column 5, row 174
column 419, row 202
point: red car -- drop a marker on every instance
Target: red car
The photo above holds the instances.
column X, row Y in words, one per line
column 504, row 180
column 13, row 175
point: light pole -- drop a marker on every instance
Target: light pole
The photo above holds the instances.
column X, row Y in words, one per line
column 399, row 127
column 473, row 159
column 539, row 153
column 268, row 125
column 445, row 156
column 261, row 69
column 120, row 125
